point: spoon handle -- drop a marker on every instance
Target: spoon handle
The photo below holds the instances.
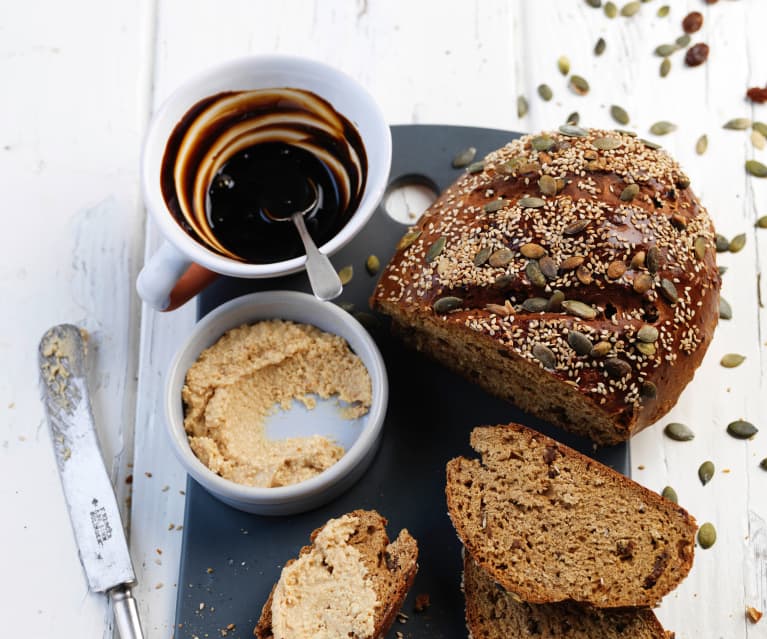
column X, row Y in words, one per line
column 326, row 285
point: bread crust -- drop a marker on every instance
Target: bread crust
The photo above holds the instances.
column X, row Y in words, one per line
column 502, row 241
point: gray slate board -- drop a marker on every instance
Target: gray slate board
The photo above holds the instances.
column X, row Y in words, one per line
column 431, row 412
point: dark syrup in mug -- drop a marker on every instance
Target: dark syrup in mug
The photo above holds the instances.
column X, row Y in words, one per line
column 308, row 141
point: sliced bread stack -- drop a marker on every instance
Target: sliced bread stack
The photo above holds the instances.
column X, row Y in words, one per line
column 566, row 539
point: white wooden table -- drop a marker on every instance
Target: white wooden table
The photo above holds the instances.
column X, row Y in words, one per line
column 80, row 81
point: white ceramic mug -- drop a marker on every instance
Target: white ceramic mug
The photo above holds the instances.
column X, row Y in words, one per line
column 182, row 266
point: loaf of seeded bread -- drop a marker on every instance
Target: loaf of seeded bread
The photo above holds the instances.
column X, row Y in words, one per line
column 572, row 273
column 492, row 613
column 350, row 582
column 550, row 524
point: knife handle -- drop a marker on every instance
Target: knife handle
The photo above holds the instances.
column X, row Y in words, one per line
column 126, row 613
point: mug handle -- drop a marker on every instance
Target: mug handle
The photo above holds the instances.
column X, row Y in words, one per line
column 169, row 279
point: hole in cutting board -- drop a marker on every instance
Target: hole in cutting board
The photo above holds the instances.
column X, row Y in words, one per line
column 408, row 197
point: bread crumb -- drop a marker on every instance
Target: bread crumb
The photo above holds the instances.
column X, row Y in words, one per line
column 422, row 601
column 753, row 614
column 159, row 585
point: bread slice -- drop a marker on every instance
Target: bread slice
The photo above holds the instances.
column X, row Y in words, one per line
column 550, row 524
column 350, row 582
column 492, row 613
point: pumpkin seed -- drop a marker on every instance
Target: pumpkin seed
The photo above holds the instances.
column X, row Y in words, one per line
column 521, row 106
column 503, row 281
column 482, row 255
column 630, row 192
column 576, row 227
column 583, row 275
column 722, row 244
column 532, row 251
column 545, row 356
column 531, row 202
column 447, row 304
column 554, row 304
column 436, row 248
column 761, row 127
column 648, row 390
column 737, row 124
column 646, row 349
column 534, row 274
column 662, row 127
column 476, row 167
column 617, row 368
column 653, row 259
column 619, row 114
column 737, row 243
column 701, row 145
column 722, row 269
column 544, row 90
column 407, row 239
column 725, row 310
column 678, row 432
column 637, row 261
column 579, row 342
column 571, row 263
column 573, row 131
column 372, row 264
column 542, row 142
column 346, row 306
column 616, row 269
column 699, row 246
column 763, row 464
column 670, row 494
column 663, row 11
column 650, row 145
column 601, row 349
column 346, row 274
column 758, row 141
column 464, row 158
column 706, row 472
column 647, row 334
column 707, row 535
column 573, row 118
column 547, row 185
column 665, row 50
column 594, row 3
column 501, row 257
column 510, row 167
column 668, row 290
column 579, row 309
column 529, row 167
column 756, row 168
column 563, row 64
column 611, row 10
column 631, row 8
column 607, row 144
column 741, row 429
column 665, row 67
column 495, row 205
column 683, row 40
column 579, row 85
column 548, row 267
column 762, row 222
column 535, row 304
column 642, row 283
column 368, row 320
column 599, row 47
column 732, row 360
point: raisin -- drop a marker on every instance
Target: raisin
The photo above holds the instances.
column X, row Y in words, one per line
column 692, row 22
column 696, row 55
column 755, row 94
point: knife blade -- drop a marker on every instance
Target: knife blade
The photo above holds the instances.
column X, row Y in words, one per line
column 88, row 491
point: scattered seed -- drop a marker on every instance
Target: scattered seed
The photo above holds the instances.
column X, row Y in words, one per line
column 535, row 304
column 554, row 304
column 707, row 535
column 573, row 131
column 599, row 47
column 464, row 158
column 664, row 11
column 725, row 310
column 503, row 281
column 758, row 141
column 576, row 227
column 544, row 90
column 668, row 290
column 501, row 257
column 573, row 118
column 630, row 192
column 737, row 124
column 761, row 127
column 762, row 222
column 617, row 368
column 607, row 144
column 563, row 64
column 476, row 167
column 679, row 221
column 648, row 334
column 534, row 274
column 696, row 55
column 722, row 269
column 741, row 429
column 732, row 360
column 346, row 306
column 653, row 259
column 436, row 248
column 706, row 472
column 346, row 274
column 699, row 246
column 542, row 142
column 579, row 342
column 531, row 202
column 579, row 309
column 648, row 390
column 662, row 128
column 611, row 10
column 532, row 251
column 407, row 239
column 678, row 432
column 583, row 275
column 665, row 67
column 447, row 304
column 619, row 114
column 692, row 22
column 594, row 3
column 670, row 494
column 683, row 41
column 721, row 243
column 649, row 144
column 631, row 8
column 373, row 264
column 756, row 168
column 548, row 267
column 545, row 356
column 495, row 205
column 547, row 185
column 665, row 50
column 369, row 321
column 616, row 269
column 701, row 145
column 521, row 106
column 737, row 243
column 571, row 263
column 763, row 464
column 645, row 349
column 482, row 255
column 579, row 85
column 601, row 349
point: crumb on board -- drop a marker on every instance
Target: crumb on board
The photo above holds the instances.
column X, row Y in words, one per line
column 148, row 474
column 753, row 614
column 422, row 601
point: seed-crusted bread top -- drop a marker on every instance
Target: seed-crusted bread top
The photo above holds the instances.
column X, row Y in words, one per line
column 332, row 597
column 584, row 252
column 550, row 524
column 492, row 613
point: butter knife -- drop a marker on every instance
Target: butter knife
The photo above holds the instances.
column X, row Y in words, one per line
column 88, row 491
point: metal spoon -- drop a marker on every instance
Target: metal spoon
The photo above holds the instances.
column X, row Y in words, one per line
column 325, row 283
